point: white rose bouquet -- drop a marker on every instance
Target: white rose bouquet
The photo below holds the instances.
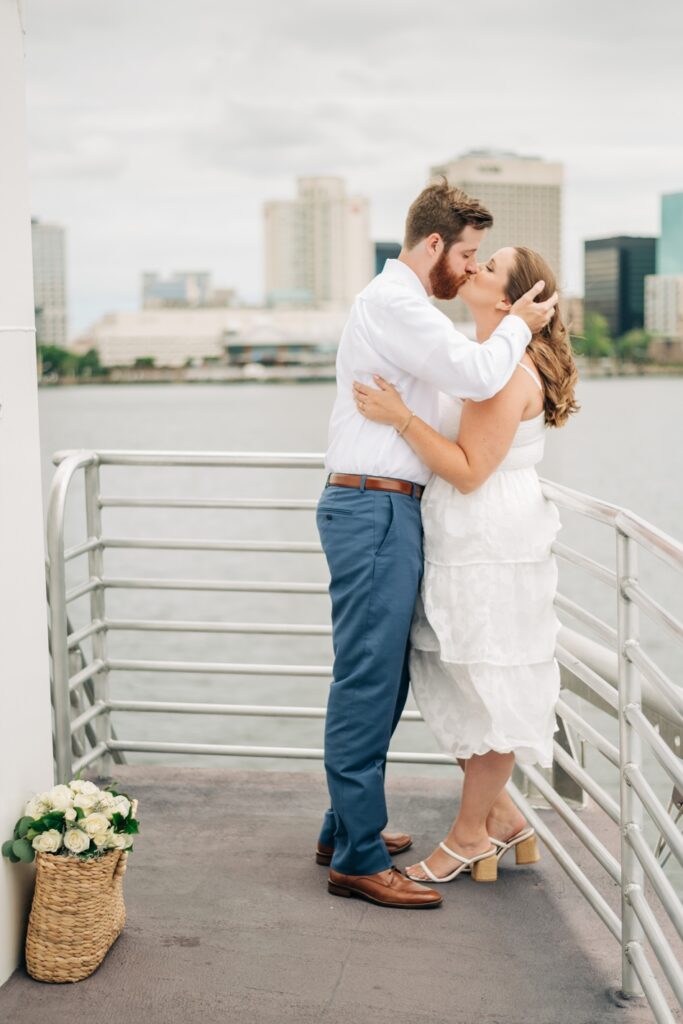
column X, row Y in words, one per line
column 74, row 820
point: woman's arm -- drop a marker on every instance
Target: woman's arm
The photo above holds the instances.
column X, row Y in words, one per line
column 486, row 431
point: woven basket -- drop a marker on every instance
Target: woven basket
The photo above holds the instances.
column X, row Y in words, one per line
column 77, row 913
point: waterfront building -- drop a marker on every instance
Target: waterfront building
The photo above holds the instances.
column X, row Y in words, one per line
column 49, row 282
column 177, row 337
column 670, row 244
column 318, row 251
column 385, row 251
column 571, row 309
column 614, row 279
column 524, row 194
column 664, row 316
column 186, row 289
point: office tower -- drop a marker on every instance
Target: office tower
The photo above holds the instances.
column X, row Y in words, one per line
column 523, row 193
column 385, row 251
column 49, row 282
column 670, row 244
column 614, row 279
column 318, row 251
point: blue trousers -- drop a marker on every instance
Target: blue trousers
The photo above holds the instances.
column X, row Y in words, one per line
column 373, row 544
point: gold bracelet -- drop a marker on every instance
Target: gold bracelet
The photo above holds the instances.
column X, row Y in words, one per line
column 405, row 426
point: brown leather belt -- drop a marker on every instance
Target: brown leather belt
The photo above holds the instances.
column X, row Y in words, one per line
column 376, row 483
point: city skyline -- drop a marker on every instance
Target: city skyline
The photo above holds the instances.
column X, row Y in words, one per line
column 187, row 125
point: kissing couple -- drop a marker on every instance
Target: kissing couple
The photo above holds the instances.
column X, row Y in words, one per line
column 433, row 432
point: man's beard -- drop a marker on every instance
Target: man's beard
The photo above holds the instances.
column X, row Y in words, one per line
column 444, row 282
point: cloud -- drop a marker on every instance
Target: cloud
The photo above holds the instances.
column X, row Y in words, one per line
column 158, row 129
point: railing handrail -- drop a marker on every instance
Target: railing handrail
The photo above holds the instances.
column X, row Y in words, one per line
column 621, row 679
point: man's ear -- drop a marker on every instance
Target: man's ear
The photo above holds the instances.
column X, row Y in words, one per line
column 434, row 244
column 504, row 305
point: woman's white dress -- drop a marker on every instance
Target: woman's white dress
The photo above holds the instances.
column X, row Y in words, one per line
column 482, row 663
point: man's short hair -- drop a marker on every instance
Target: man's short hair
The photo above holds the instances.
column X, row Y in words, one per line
column 443, row 210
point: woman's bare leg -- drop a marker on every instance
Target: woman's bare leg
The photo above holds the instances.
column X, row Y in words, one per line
column 485, row 777
column 505, row 819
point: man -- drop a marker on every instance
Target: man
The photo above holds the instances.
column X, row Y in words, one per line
column 369, row 517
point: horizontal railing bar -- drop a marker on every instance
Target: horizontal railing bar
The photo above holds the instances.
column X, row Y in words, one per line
column 654, row 871
column 87, row 716
column 576, row 501
column 654, row 808
column 580, row 880
column 229, row 586
column 600, row 742
column 82, row 589
column 671, row 764
column 264, row 460
column 672, row 693
column 655, row 936
column 591, row 842
column 595, row 682
column 92, row 755
column 82, row 549
column 249, row 710
column 261, row 628
column 78, row 635
column 604, row 631
column 273, row 504
column 305, row 753
column 651, row 538
column 219, row 668
column 86, row 673
column 653, row 993
column 181, row 544
column 600, row 572
column 587, row 782
column 653, row 609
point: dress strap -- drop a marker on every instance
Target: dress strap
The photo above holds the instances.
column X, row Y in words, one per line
column 532, row 375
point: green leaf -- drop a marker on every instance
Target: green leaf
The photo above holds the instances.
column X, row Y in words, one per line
column 22, row 849
column 117, row 821
column 132, row 825
column 80, row 813
column 31, row 834
column 23, row 826
column 7, row 848
column 13, row 858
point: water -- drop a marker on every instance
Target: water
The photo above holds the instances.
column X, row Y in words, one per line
column 624, row 446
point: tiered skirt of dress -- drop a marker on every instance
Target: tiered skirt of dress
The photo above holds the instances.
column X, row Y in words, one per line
column 483, row 668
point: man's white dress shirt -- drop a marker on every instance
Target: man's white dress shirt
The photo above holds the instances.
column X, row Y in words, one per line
column 395, row 331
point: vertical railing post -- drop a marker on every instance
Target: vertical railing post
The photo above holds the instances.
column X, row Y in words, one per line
column 93, row 515
column 629, row 754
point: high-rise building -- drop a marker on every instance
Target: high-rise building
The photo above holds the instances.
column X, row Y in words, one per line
column 670, row 244
column 385, row 251
column 614, row 279
column 664, row 316
column 523, row 193
column 318, row 251
column 49, row 282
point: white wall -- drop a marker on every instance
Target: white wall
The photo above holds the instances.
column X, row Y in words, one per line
column 25, row 719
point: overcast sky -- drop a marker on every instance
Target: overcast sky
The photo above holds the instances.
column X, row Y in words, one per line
column 157, row 128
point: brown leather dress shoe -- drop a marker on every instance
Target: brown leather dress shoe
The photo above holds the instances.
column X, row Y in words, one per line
column 386, row 888
column 395, row 842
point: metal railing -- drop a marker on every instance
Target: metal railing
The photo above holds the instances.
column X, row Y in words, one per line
column 615, row 674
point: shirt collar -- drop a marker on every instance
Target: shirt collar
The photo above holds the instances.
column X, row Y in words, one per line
column 400, row 271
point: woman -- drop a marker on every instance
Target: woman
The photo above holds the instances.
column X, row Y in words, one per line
column 482, row 662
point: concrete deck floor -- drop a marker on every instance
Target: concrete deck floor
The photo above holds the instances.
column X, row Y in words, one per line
column 229, row 920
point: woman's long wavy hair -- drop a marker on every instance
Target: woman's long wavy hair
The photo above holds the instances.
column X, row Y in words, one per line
column 550, row 348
